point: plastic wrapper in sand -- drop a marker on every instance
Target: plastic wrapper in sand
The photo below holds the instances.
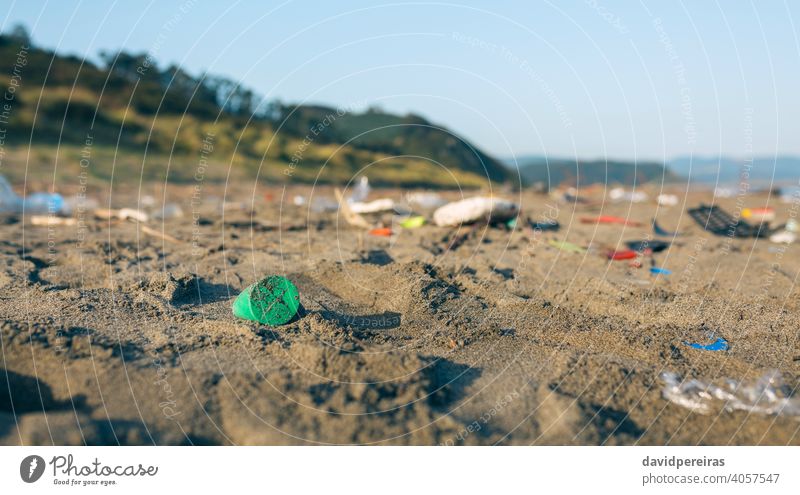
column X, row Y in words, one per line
column 768, row 395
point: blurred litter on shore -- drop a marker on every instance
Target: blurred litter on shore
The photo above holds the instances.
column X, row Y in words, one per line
column 473, row 209
column 38, row 203
column 767, row 395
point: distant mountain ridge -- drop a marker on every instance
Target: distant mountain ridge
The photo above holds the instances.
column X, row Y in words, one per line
column 553, row 172
column 699, row 171
column 759, row 170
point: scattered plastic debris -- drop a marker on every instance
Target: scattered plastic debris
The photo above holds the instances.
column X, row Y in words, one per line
column 717, row 221
column 566, row 246
column 32, row 204
column 43, row 203
column 662, row 232
column 79, row 204
column 381, row 232
column 273, row 300
column 766, row 214
column 724, row 192
column 428, row 200
column 768, row 395
column 667, row 200
column 360, row 191
column 719, row 344
column 131, row 214
column 608, row 219
column 375, row 206
column 122, row 214
column 474, row 209
column 51, row 220
column 660, row 271
column 626, row 254
column 783, row 237
column 358, row 204
column 788, row 235
column 511, row 224
column 545, row 225
column 413, row 222
column 620, row 194
column 648, row 246
column 349, row 215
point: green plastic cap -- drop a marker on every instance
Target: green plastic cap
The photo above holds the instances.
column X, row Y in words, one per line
column 271, row 301
column 413, row 222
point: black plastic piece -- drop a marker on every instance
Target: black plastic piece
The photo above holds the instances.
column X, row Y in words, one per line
column 717, row 221
column 653, row 245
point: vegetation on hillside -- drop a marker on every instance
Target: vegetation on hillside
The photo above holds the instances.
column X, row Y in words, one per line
column 155, row 122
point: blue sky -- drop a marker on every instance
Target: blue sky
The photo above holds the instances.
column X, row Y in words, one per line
column 628, row 80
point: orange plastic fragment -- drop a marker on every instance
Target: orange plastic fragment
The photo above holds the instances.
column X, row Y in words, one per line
column 608, row 219
column 381, row 232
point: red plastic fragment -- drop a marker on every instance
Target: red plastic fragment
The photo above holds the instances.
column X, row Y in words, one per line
column 626, row 254
column 608, row 219
column 381, row 232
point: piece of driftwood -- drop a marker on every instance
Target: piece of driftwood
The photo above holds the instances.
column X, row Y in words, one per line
column 350, row 217
column 48, row 220
column 155, row 233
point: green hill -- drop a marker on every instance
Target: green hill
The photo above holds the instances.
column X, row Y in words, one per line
column 157, row 123
column 389, row 134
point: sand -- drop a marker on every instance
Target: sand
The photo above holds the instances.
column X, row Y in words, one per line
column 111, row 335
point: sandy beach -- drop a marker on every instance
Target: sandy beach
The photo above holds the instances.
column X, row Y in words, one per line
column 473, row 336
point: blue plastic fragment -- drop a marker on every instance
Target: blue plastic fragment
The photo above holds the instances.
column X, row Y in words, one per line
column 664, row 233
column 660, row 271
column 719, row 345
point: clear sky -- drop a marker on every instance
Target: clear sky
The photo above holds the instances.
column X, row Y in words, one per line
column 593, row 78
